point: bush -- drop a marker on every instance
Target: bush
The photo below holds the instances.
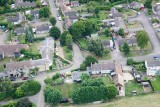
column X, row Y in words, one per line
column 48, row 80
column 54, row 77
column 30, row 87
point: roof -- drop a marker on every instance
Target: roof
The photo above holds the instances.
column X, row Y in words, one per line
column 64, row 8
column 3, row 74
column 118, row 80
column 113, row 10
column 10, row 49
column 42, row 28
column 110, row 22
column 153, row 63
column 19, row 4
column 118, row 69
column 76, row 76
column 107, row 66
column 71, row 15
column 74, row 3
column 156, row 8
column 19, row 30
column 106, row 43
column 34, row 12
column 114, row 15
column 62, row 1
column 131, row 40
column 13, row 18
column 134, row 4
column 120, row 42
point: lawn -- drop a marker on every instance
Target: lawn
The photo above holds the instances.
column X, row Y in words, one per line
column 66, row 89
column 103, row 15
column 34, row 47
column 83, row 43
column 104, row 37
column 133, row 86
column 149, row 100
column 107, row 80
column 5, row 61
column 156, row 83
column 133, row 25
column 68, row 53
column 128, row 12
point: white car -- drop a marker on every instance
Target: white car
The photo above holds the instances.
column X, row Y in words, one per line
column 59, row 18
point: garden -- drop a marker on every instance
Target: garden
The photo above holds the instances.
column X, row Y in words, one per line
column 132, row 86
column 11, row 91
column 156, row 83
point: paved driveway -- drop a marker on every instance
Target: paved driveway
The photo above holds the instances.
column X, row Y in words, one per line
column 3, row 37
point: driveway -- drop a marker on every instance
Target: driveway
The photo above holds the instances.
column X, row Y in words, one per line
column 3, row 37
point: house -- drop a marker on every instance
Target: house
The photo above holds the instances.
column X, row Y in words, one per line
column 64, row 8
column 120, row 41
column 44, row 3
column 114, row 13
column 12, row 50
column 67, row 22
column 95, row 69
column 118, row 80
column 15, row 19
column 35, row 13
column 75, row 4
column 136, row 5
column 3, row 75
column 76, row 76
column 72, row 15
column 21, row 4
column 110, row 22
column 156, row 9
column 108, row 44
column 23, row 67
column 132, row 41
column 59, row 2
column 152, row 67
column 42, row 29
column 20, row 31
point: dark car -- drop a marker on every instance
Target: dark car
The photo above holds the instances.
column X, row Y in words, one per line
column 156, row 57
column 64, row 100
column 13, row 78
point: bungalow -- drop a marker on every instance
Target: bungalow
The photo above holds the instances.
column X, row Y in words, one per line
column 21, row 4
column 108, row 44
column 15, row 19
column 42, row 29
column 136, row 5
column 76, row 76
column 156, row 9
column 132, row 41
column 19, row 68
column 153, row 67
column 75, row 4
column 72, row 15
column 20, row 31
column 101, row 68
column 114, row 13
column 12, row 50
column 35, row 13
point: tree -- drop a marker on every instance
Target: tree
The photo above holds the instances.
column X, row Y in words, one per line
column 97, row 10
column 121, row 32
column 95, row 46
column 29, row 35
column 38, row 2
column 52, row 95
column 142, row 39
column 24, row 103
column 11, row 104
column 90, row 60
column 52, row 21
column 44, row 12
column 130, row 61
column 148, row 4
column 84, row 76
column 55, row 32
column 126, row 48
column 69, row 41
column 6, row 87
column 63, row 38
column 112, row 91
column 107, row 32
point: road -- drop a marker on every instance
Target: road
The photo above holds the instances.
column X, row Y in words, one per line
column 54, row 12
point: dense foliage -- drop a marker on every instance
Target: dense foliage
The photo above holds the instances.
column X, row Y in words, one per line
column 28, row 88
column 44, row 12
column 52, row 95
column 63, row 38
column 126, row 48
column 53, row 21
column 55, row 32
column 83, row 28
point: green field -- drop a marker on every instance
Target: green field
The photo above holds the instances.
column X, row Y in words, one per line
column 156, row 83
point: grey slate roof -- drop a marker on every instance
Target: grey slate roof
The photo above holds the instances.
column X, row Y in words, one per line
column 76, row 76
column 131, row 40
column 13, row 18
column 156, row 8
column 153, row 63
column 108, row 66
column 34, row 12
column 71, row 15
column 19, row 4
column 120, row 42
column 42, row 28
column 106, row 43
column 19, row 30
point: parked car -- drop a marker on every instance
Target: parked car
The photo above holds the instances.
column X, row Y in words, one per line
column 24, row 78
column 156, row 57
column 59, row 18
column 13, row 78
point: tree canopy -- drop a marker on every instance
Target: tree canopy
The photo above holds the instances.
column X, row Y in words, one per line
column 52, row 21
column 69, row 41
column 63, row 38
column 55, row 32
column 44, row 12
column 126, row 48
column 148, row 4
column 142, row 39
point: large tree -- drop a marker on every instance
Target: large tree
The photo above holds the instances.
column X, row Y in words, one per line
column 55, row 32
column 25, row 103
column 126, row 48
column 148, row 4
column 52, row 95
column 121, row 32
column 6, row 87
column 29, row 35
column 89, row 60
column 44, row 12
column 63, row 38
column 142, row 39
column 96, row 47
column 69, row 41
column 52, row 21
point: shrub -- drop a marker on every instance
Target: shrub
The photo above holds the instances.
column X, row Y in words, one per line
column 54, row 77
